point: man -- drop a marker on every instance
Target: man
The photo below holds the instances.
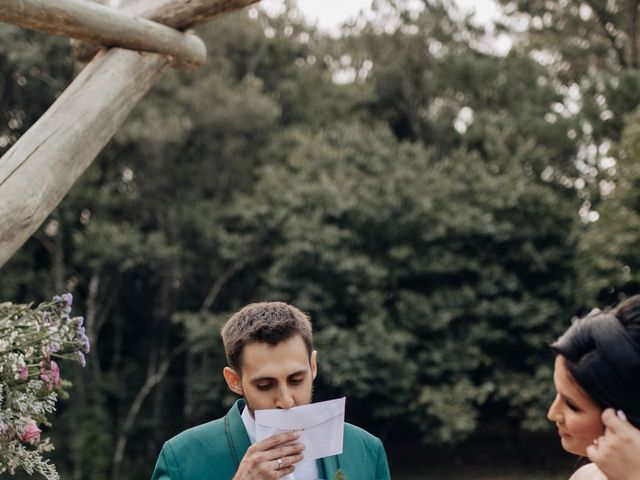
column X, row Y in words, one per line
column 272, row 364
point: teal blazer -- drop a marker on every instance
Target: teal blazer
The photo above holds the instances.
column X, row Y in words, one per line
column 213, row 451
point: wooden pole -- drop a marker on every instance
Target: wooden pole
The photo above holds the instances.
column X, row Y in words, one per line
column 179, row 15
column 185, row 14
column 38, row 171
column 42, row 166
column 99, row 24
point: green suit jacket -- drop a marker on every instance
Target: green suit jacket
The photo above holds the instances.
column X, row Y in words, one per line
column 214, row 450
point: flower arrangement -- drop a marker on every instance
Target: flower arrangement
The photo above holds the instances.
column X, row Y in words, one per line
column 31, row 339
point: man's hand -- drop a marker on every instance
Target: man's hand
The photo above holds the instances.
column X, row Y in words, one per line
column 271, row 458
column 617, row 452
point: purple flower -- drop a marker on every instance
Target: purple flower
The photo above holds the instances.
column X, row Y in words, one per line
column 31, row 433
column 51, row 377
column 44, row 376
column 86, row 345
column 80, row 357
column 65, row 301
column 23, row 373
column 55, row 373
column 67, row 298
column 53, row 348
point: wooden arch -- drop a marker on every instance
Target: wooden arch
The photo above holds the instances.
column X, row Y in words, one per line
column 143, row 37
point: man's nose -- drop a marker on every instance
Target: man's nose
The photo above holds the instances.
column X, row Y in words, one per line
column 285, row 398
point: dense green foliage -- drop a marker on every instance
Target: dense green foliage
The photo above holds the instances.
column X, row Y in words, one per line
column 427, row 202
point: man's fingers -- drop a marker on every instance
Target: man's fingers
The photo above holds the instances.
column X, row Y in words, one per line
column 286, row 451
column 274, row 441
column 286, row 471
column 286, row 462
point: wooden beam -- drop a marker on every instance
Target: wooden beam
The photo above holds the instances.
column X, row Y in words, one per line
column 99, row 24
column 42, row 166
column 39, row 170
column 185, row 14
column 179, row 15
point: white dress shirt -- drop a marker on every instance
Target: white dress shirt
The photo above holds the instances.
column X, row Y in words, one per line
column 305, row 470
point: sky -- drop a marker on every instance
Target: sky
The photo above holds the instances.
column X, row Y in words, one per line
column 331, row 13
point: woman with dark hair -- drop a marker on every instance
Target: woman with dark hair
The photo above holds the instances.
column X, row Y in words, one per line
column 597, row 366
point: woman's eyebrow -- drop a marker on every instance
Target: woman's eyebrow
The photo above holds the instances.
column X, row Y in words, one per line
column 567, row 398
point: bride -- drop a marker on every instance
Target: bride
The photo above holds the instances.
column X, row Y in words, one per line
column 597, row 366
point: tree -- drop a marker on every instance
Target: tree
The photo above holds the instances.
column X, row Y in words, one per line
column 427, row 280
column 610, row 264
column 35, row 68
column 590, row 48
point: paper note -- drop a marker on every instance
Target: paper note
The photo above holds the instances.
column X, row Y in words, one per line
column 321, row 426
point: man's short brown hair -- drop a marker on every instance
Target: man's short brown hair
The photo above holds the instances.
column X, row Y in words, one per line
column 267, row 322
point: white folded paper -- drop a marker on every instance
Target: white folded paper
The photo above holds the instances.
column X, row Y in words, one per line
column 321, row 426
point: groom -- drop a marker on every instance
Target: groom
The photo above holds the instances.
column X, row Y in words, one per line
column 271, row 364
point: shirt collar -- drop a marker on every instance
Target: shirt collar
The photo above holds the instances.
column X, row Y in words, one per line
column 249, row 424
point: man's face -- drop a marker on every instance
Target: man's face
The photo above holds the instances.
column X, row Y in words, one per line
column 278, row 376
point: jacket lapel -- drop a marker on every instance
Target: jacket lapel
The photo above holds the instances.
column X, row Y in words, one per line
column 237, row 437
column 328, row 467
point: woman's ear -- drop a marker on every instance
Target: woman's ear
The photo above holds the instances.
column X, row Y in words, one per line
column 233, row 380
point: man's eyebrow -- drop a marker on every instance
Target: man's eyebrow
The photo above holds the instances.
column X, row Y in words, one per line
column 272, row 379
column 262, row 379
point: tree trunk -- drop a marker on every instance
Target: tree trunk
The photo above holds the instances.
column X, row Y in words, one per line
column 156, row 372
column 58, row 254
column 632, row 32
column 154, row 377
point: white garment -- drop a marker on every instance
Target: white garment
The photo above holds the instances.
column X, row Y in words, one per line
column 305, row 470
column 588, row 472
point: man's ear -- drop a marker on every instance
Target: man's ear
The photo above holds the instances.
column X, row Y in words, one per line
column 313, row 362
column 233, row 380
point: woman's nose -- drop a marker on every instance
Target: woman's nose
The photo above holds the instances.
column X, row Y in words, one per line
column 553, row 415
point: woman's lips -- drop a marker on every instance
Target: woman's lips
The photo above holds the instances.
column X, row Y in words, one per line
column 563, row 434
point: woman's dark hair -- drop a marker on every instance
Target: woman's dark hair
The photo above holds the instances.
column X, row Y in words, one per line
column 602, row 352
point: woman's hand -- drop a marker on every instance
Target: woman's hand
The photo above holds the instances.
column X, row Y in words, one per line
column 617, row 452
